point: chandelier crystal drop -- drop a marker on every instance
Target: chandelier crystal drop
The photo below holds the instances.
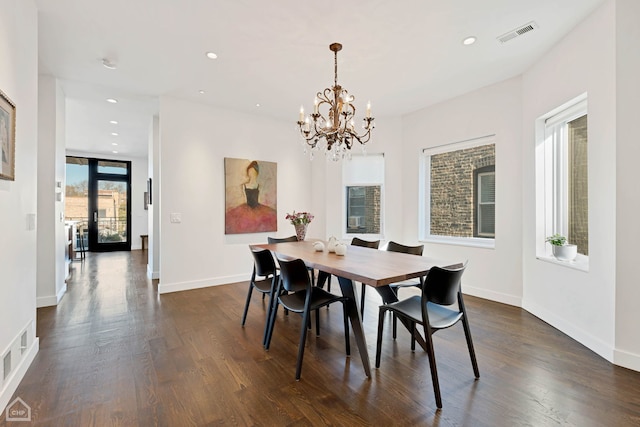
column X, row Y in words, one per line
column 334, row 132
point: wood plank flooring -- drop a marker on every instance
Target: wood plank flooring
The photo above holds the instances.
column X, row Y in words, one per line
column 115, row 353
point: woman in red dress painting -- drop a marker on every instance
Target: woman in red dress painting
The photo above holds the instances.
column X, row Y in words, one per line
column 251, row 216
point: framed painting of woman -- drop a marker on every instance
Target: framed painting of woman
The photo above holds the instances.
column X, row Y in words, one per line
column 7, row 138
column 250, row 196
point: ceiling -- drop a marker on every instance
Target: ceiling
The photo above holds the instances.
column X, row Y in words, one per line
column 401, row 55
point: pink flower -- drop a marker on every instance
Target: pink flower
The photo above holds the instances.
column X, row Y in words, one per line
column 299, row 217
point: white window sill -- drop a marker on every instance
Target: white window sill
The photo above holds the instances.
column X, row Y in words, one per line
column 581, row 263
column 462, row 241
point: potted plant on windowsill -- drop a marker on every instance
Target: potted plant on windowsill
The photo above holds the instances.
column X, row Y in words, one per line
column 562, row 250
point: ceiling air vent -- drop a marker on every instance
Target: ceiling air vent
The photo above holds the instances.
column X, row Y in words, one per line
column 526, row 28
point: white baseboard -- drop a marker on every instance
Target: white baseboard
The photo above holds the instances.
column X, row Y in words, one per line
column 164, row 288
column 590, row 341
column 626, row 360
column 152, row 274
column 492, row 295
column 18, row 374
column 51, row 300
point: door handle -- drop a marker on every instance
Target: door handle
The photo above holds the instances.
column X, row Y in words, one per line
column 95, row 217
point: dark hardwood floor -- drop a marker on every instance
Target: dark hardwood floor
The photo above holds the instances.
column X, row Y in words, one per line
column 114, row 352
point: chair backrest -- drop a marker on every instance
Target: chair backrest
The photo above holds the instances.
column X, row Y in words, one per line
column 365, row 243
column 442, row 285
column 294, row 275
column 272, row 240
column 397, row 247
column 263, row 261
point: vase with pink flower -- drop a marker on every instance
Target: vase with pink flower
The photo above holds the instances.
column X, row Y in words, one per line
column 300, row 221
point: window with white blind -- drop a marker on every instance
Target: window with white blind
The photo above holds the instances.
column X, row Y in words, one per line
column 363, row 179
column 458, row 193
column 562, row 192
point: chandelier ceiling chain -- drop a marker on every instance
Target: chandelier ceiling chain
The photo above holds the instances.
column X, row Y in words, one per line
column 336, row 132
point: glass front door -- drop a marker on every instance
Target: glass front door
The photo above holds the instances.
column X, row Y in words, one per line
column 109, row 205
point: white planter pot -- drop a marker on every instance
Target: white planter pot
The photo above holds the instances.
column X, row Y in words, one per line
column 565, row 253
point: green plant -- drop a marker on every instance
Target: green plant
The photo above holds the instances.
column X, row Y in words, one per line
column 557, row 240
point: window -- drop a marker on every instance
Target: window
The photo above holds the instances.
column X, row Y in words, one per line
column 485, row 202
column 562, row 170
column 363, row 177
column 458, row 193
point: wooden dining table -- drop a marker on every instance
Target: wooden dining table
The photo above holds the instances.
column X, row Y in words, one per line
column 373, row 267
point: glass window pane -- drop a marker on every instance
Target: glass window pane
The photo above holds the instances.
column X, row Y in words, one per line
column 578, row 203
column 460, row 179
column 112, row 167
column 112, row 211
column 364, row 209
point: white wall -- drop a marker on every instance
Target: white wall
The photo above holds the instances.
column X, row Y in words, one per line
column 139, row 168
column 153, row 214
column 194, row 140
column 52, row 236
column 18, row 199
column 627, row 318
column 494, row 110
column 579, row 303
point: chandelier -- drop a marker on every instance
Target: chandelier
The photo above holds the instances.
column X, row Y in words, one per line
column 334, row 133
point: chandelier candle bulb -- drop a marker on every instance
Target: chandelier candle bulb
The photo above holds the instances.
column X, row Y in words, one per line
column 315, row 105
column 369, row 109
column 301, row 114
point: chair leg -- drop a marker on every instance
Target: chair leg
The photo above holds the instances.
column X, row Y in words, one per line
column 362, row 295
column 413, row 335
column 246, row 305
column 303, row 338
column 379, row 341
column 472, row 352
column 272, row 322
column 395, row 326
column 318, row 322
column 432, row 365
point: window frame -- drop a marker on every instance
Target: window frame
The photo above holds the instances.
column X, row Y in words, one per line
column 552, row 178
column 424, row 207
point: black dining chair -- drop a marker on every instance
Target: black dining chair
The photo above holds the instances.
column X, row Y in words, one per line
column 411, row 250
column 297, row 294
column 264, row 279
column 434, row 310
column 272, row 240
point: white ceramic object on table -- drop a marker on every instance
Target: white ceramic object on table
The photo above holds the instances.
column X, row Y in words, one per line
column 341, row 249
column 318, row 246
column 331, row 244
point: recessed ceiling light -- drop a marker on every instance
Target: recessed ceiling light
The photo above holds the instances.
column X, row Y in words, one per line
column 114, row 143
column 114, row 152
column 112, row 100
column 211, row 55
column 201, row 92
column 114, row 133
column 109, row 64
column 257, row 105
column 469, row 40
column 114, row 122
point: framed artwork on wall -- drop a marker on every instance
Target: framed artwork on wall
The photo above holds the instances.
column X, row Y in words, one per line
column 7, row 138
column 251, row 196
